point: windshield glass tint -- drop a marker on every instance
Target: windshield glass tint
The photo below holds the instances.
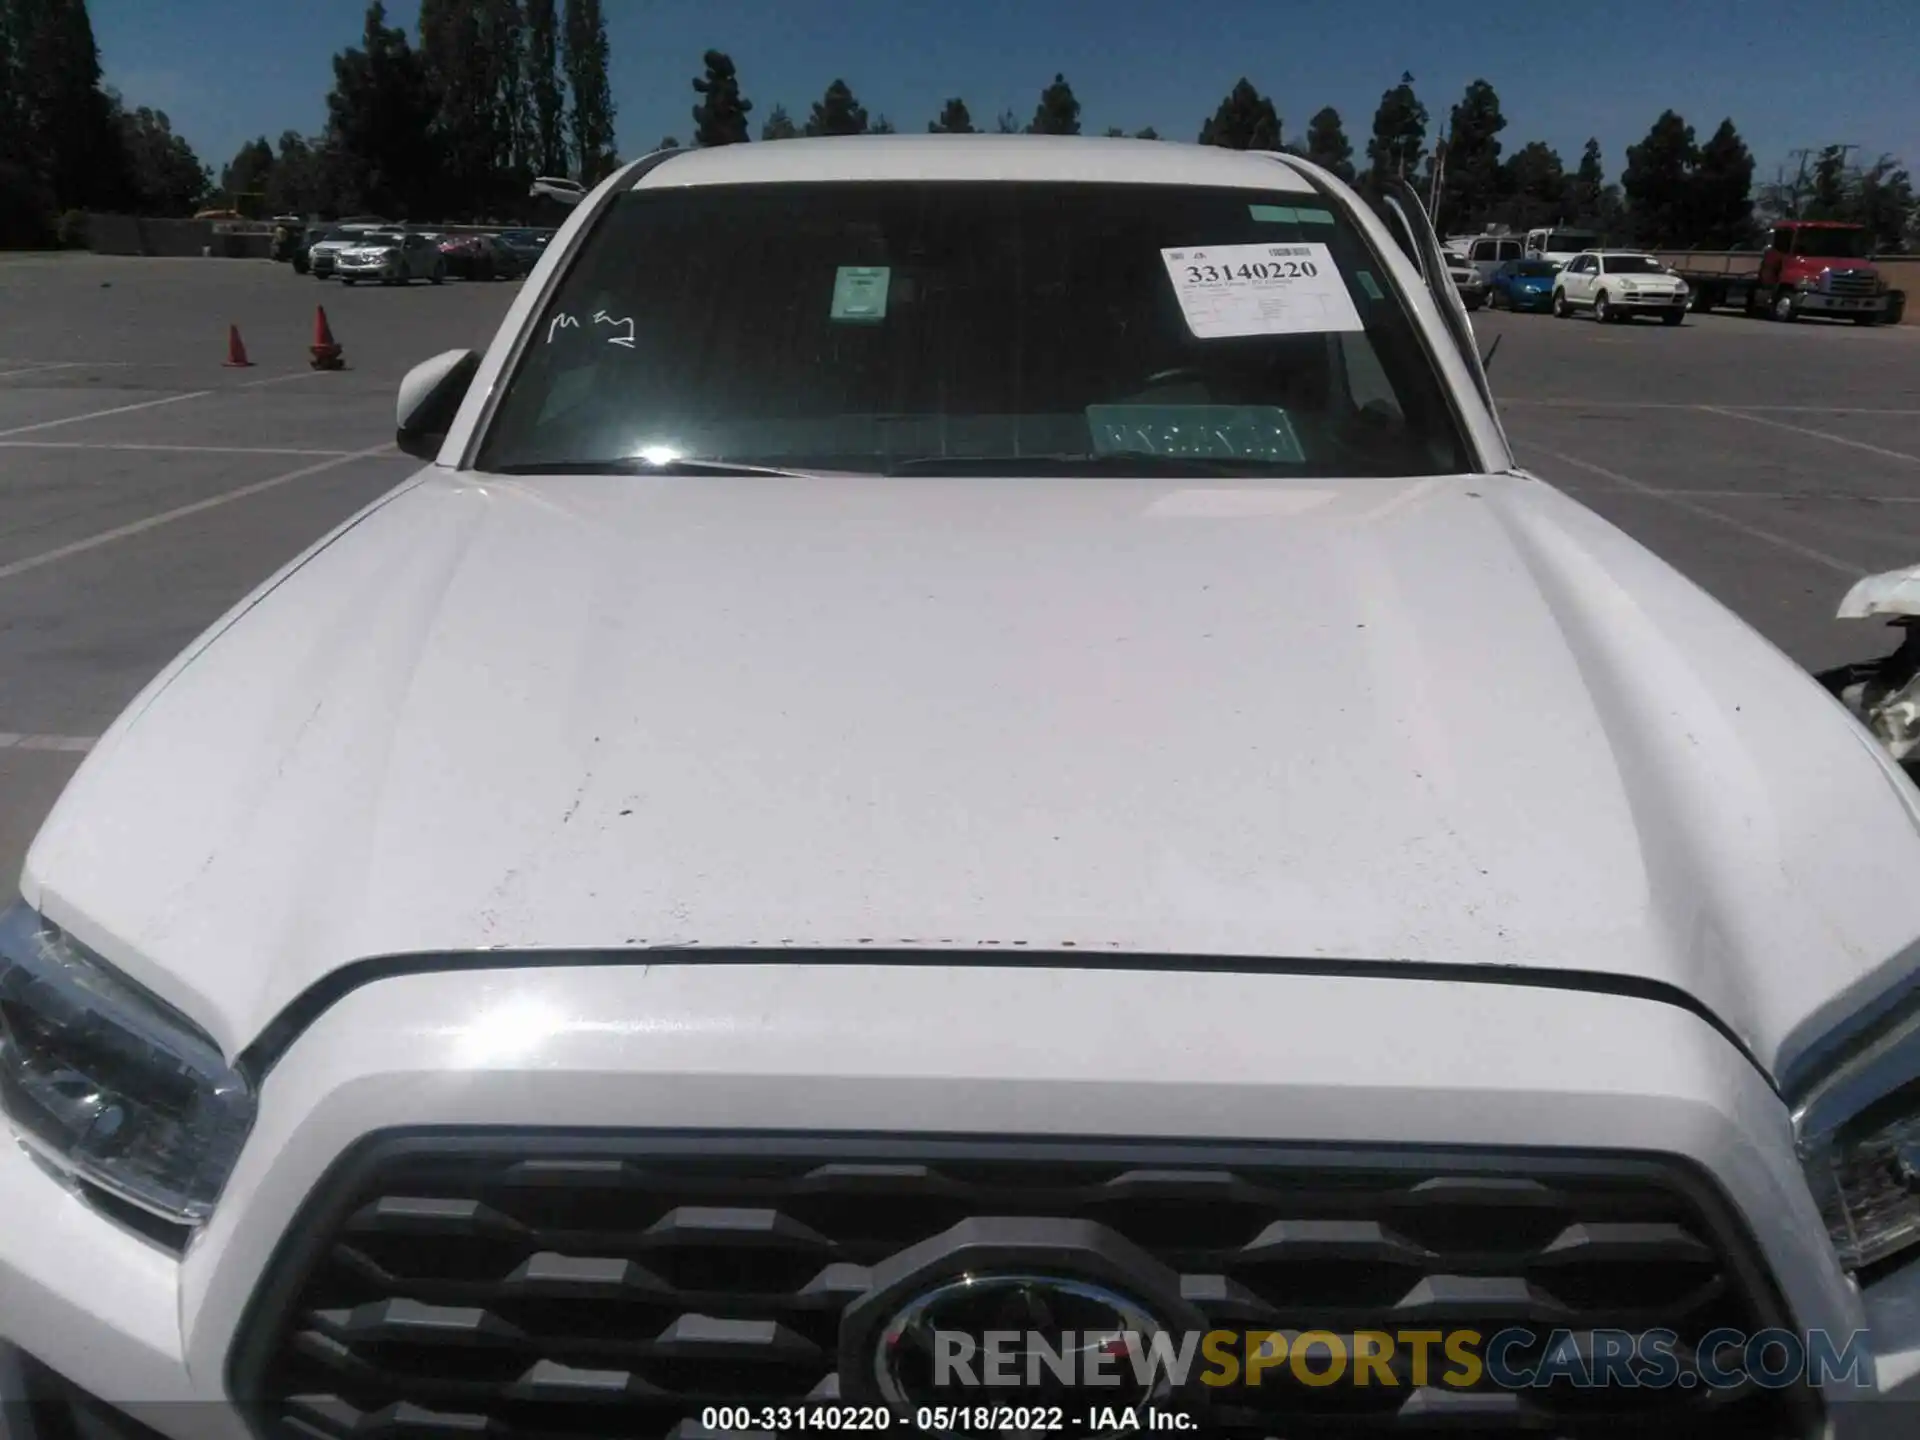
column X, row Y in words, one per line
column 1568, row 242
column 1633, row 265
column 869, row 326
column 1533, row 269
column 1821, row 243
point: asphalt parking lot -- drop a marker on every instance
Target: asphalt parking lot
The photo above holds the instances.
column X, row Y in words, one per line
column 144, row 488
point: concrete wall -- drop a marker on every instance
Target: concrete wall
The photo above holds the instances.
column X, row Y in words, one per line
column 140, row 235
column 1902, row 271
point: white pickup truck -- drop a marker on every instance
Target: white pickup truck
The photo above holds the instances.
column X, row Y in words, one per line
column 968, row 747
column 1560, row 245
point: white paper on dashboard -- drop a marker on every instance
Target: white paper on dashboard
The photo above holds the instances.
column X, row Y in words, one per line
column 1228, row 290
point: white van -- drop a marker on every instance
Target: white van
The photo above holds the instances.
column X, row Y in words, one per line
column 1559, row 244
column 1486, row 253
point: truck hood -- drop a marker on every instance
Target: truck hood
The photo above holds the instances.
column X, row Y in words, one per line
column 1452, row 721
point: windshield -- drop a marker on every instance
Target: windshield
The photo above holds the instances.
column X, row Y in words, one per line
column 1569, row 242
column 1534, row 269
column 1821, row 243
column 867, row 326
column 1632, row 265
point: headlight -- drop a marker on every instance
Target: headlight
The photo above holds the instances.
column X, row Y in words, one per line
column 109, row 1083
column 1858, row 1134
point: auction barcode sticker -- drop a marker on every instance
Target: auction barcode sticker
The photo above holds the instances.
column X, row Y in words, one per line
column 1232, row 290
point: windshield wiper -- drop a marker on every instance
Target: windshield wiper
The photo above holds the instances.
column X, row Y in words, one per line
column 1143, row 463
column 634, row 465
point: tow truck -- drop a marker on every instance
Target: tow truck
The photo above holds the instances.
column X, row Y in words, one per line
column 1810, row 267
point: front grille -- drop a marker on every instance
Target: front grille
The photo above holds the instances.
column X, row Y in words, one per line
column 565, row 1286
column 1851, row 282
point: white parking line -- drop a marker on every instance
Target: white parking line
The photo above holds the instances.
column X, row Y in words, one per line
column 280, row 379
column 102, row 414
column 181, row 512
column 71, row 743
column 37, row 369
column 1679, row 502
column 1816, row 434
column 1677, row 405
column 170, row 449
column 1807, row 495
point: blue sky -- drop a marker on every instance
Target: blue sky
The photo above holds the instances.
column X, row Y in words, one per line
column 1789, row 72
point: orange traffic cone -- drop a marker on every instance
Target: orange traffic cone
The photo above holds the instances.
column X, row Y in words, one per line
column 326, row 350
column 236, row 351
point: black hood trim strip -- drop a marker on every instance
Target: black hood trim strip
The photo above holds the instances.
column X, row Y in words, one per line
column 299, row 1015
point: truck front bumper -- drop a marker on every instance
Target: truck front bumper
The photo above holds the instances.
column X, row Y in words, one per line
column 1815, row 302
column 917, row 1055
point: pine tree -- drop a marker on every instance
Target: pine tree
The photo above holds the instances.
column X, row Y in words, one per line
column 1007, row 123
column 549, row 101
column 584, row 58
column 1058, row 113
column 1584, row 199
column 954, row 119
column 380, row 151
column 457, row 69
column 11, row 96
column 1470, row 178
column 250, row 172
column 1327, row 143
column 505, row 32
column 881, row 126
column 1883, row 201
column 720, row 118
column 1719, row 201
column 1535, row 182
column 293, row 184
column 1245, row 120
column 65, row 132
column 779, row 125
column 837, row 113
column 1657, row 182
column 1399, row 134
column 1147, row 134
column 1829, row 200
column 168, row 177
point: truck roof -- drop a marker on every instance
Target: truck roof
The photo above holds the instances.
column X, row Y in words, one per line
column 1055, row 158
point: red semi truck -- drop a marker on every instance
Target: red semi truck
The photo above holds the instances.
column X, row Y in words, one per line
column 1810, row 267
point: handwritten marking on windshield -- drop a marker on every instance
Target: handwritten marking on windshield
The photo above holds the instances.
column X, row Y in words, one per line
column 561, row 322
column 603, row 318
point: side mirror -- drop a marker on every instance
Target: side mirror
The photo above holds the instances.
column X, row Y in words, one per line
column 430, row 397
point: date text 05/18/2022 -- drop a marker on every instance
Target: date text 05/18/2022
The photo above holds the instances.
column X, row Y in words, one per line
column 945, row 1419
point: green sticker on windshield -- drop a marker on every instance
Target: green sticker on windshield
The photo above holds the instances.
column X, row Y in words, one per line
column 860, row 294
column 1196, row 432
column 1369, row 284
column 1274, row 214
column 1314, row 217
